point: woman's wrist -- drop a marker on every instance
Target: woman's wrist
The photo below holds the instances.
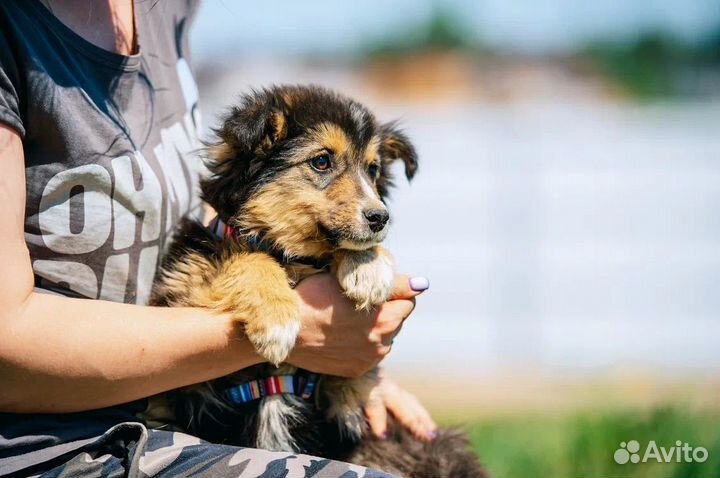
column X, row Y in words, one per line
column 241, row 350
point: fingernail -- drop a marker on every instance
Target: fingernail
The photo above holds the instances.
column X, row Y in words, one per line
column 432, row 435
column 419, row 284
column 383, row 436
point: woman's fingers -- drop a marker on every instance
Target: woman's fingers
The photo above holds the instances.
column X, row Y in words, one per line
column 392, row 314
column 426, row 427
column 410, row 413
column 406, row 287
column 390, row 319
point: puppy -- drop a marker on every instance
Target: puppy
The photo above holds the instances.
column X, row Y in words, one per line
column 298, row 179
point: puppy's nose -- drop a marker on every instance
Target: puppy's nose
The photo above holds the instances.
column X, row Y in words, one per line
column 376, row 218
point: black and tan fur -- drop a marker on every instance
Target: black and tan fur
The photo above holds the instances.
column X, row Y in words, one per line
column 266, row 182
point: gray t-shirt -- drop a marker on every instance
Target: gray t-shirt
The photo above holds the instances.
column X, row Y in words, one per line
column 109, row 145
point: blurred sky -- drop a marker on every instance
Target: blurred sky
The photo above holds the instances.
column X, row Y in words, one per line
column 535, row 26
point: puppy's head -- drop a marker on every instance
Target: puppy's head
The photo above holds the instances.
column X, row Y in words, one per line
column 305, row 168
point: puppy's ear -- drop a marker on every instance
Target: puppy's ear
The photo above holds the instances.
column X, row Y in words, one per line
column 254, row 129
column 395, row 145
column 248, row 135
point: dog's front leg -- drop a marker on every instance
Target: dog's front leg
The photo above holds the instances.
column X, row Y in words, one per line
column 346, row 398
column 367, row 279
column 254, row 289
column 366, row 276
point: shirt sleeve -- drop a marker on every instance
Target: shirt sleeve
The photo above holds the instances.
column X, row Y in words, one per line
column 9, row 86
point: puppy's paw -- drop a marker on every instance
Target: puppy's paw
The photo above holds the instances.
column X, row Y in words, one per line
column 254, row 289
column 346, row 398
column 273, row 324
column 351, row 422
column 274, row 341
column 366, row 276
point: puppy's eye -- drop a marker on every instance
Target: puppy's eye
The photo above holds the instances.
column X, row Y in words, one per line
column 321, row 163
column 373, row 170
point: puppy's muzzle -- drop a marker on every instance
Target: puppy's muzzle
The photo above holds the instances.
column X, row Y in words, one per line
column 377, row 219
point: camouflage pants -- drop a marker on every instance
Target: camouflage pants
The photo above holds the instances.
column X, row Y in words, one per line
column 131, row 450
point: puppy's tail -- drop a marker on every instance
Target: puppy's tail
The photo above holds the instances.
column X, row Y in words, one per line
column 278, row 415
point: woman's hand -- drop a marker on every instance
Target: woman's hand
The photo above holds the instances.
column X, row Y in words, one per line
column 404, row 406
column 336, row 339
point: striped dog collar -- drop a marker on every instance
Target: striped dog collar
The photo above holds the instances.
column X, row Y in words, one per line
column 302, row 385
column 221, row 229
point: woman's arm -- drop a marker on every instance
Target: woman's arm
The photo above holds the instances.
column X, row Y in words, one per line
column 59, row 354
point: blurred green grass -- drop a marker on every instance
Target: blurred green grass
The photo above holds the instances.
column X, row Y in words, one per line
column 581, row 444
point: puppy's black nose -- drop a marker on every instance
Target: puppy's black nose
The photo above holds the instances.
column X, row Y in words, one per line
column 376, row 218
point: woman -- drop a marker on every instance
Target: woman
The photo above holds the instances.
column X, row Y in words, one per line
column 98, row 121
